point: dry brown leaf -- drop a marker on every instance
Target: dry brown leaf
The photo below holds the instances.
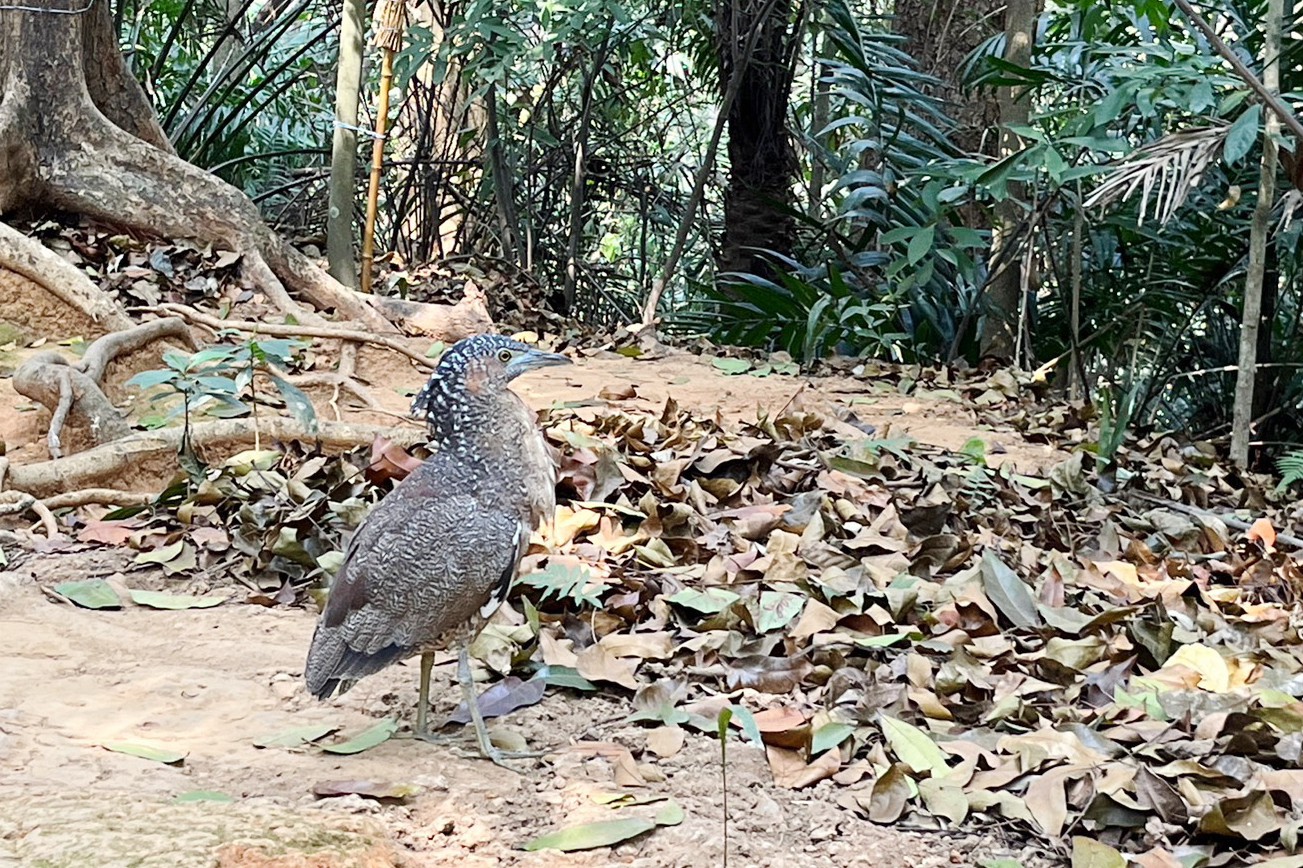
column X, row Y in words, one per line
column 598, row 664
column 648, row 646
column 666, row 741
column 791, row 771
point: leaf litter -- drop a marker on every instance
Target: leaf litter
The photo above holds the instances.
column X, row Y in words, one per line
column 947, row 642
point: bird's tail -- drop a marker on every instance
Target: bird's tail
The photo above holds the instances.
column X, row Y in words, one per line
column 332, row 666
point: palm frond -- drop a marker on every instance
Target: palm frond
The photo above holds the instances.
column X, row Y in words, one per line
column 1164, row 172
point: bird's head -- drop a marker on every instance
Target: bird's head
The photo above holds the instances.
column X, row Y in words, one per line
column 478, row 367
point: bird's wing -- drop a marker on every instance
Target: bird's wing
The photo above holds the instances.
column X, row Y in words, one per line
column 421, row 567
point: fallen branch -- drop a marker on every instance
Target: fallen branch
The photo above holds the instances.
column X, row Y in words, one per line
column 1228, row 520
column 297, row 331
column 125, row 456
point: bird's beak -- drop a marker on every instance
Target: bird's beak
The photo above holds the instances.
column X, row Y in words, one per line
column 538, row 359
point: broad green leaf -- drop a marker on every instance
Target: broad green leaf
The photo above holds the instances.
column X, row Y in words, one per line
column 709, row 602
column 150, row 379
column 564, row 676
column 297, row 736
column 161, row 555
column 587, row 836
column 1008, row 592
column 298, row 403
column 90, row 594
column 732, row 367
column 829, row 736
column 747, row 721
column 777, row 609
column 912, row 746
column 160, row 600
column 366, row 739
column 1242, row 134
column 167, row 755
column 921, row 244
column 671, row 814
column 1088, row 853
column 203, row 796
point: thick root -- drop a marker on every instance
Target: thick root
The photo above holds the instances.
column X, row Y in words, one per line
column 124, row 457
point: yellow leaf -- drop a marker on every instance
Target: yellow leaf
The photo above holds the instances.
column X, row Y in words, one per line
column 1214, row 674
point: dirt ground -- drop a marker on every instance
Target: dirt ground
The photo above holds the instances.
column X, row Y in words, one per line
column 210, row 682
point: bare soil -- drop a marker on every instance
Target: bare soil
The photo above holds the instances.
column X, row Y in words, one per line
column 210, row 682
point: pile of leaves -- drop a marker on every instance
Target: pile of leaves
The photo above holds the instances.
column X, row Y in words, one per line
column 943, row 642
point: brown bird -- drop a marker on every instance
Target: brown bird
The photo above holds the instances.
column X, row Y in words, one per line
column 436, row 557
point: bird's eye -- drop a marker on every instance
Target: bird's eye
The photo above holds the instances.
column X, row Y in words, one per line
column 504, row 355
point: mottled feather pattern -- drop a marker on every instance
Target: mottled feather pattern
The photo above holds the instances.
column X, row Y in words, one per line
column 438, row 555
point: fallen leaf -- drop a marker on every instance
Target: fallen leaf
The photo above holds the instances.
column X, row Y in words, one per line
column 90, row 594
column 165, row 755
column 383, row 790
column 588, row 836
column 202, row 796
column 160, row 600
column 366, row 739
column 791, row 771
column 1008, row 592
column 913, row 747
column 503, row 698
column 300, row 735
column 889, row 796
column 666, row 741
column 1087, row 853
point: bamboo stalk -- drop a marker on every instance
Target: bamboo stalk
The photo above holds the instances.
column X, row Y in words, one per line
column 389, row 38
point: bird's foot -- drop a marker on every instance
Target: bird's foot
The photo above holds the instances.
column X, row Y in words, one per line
column 499, row 757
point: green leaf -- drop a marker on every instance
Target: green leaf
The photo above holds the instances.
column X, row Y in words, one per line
column 748, row 722
column 150, row 379
column 912, row 746
column 671, row 814
column 300, row 735
column 1242, row 134
column 587, row 836
column 829, row 736
column 777, row 609
column 203, row 796
column 168, row 756
column 366, row 739
column 1008, row 592
column 160, row 600
column 732, row 367
column 90, row 594
column 709, row 602
column 564, row 676
column 921, row 244
column 161, row 555
column 298, row 403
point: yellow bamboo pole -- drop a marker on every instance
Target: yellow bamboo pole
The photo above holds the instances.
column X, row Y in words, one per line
column 389, row 38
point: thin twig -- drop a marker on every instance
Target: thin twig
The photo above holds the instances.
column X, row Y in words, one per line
column 298, row 331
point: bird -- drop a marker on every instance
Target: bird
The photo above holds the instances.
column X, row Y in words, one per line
column 434, row 559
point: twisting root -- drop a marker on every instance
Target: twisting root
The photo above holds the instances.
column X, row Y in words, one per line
column 12, row 502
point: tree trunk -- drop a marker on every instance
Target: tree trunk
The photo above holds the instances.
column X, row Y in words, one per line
column 343, row 146
column 1259, row 236
column 1004, row 287
column 61, row 148
column 762, row 161
column 940, row 36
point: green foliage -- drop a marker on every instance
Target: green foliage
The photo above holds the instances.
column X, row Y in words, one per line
column 241, row 91
column 219, row 380
column 1290, row 467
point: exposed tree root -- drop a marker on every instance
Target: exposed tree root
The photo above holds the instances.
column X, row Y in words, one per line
column 50, row 271
column 12, row 502
column 103, row 496
column 72, row 391
column 87, row 469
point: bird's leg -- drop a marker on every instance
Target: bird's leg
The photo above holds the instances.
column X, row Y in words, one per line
column 423, row 696
column 487, row 749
